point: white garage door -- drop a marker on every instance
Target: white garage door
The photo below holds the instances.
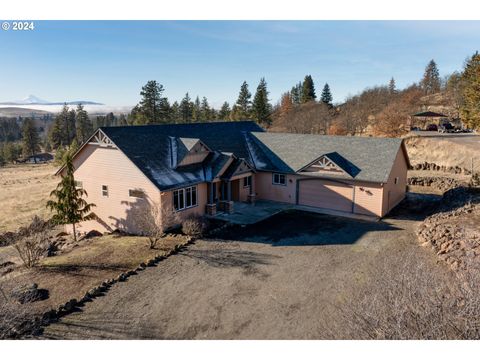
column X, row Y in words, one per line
column 325, row 194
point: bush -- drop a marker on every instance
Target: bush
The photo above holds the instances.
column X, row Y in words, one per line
column 194, row 226
column 407, row 299
column 33, row 241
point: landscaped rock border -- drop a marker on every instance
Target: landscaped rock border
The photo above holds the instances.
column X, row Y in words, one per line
column 434, row 167
column 33, row 327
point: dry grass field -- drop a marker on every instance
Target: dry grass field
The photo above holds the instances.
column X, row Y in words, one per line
column 453, row 150
column 24, row 191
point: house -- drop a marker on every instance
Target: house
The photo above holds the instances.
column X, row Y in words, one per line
column 204, row 168
column 37, row 159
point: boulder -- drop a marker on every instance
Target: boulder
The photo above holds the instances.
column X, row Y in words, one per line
column 29, row 293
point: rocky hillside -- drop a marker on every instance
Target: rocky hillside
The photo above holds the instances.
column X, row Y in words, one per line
column 454, row 232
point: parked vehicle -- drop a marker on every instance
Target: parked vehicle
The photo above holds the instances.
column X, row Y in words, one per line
column 446, row 128
column 415, row 128
column 432, row 127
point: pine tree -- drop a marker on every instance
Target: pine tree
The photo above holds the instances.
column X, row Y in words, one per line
column 60, row 131
column 392, row 87
column 84, row 127
column 196, row 111
column 308, row 90
column 186, row 109
column 470, row 108
column 68, row 205
column 326, row 96
column 205, row 110
column 261, row 107
column 431, row 79
column 151, row 103
column 296, row 94
column 31, row 141
column 11, row 152
column 175, row 112
column 243, row 105
column 224, row 112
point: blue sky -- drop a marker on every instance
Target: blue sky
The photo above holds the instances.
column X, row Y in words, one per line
column 109, row 61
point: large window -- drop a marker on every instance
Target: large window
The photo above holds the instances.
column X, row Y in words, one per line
column 247, row 181
column 279, row 179
column 185, row 198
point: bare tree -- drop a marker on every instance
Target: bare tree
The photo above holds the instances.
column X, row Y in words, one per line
column 152, row 220
column 33, row 242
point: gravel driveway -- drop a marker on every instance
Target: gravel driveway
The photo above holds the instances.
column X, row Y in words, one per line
column 276, row 283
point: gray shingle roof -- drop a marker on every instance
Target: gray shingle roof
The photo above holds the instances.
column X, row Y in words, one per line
column 364, row 158
column 155, row 150
column 150, row 148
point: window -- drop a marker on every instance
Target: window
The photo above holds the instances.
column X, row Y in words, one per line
column 247, row 181
column 185, row 198
column 396, row 180
column 279, row 179
column 136, row 193
column 78, row 184
column 105, row 190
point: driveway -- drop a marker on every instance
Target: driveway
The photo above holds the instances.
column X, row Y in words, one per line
column 283, row 280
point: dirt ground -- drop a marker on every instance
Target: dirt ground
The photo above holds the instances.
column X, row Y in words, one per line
column 24, row 191
column 70, row 275
column 283, row 280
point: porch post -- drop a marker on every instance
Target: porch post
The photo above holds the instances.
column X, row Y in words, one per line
column 210, row 198
column 251, row 194
column 211, row 207
column 229, row 190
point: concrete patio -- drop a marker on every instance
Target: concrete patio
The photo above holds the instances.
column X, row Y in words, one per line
column 247, row 214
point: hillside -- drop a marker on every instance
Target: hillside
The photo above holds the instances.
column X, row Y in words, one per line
column 12, row 111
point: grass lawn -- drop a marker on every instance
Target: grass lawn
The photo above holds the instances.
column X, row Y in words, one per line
column 93, row 261
column 24, row 191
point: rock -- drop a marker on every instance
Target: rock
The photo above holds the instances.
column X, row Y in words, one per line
column 61, row 234
column 29, row 293
column 94, row 292
column 49, row 316
column 151, row 262
column 70, row 305
column 91, row 234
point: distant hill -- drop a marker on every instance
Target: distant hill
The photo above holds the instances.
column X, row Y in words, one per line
column 24, row 112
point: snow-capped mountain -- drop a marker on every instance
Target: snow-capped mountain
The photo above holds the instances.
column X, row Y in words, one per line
column 34, row 100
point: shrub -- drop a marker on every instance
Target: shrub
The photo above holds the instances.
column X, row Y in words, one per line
column 407, row 299
column 194, row 226
column 33, row 241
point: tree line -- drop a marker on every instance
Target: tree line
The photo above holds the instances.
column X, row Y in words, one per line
column 381, row 110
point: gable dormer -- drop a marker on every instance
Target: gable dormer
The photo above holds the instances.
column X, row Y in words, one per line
column 188, row 151
column 331, row 164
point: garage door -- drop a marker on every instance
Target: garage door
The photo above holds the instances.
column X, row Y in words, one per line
column 325, row 194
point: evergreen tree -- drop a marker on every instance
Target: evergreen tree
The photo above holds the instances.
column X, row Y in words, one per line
column 175, row 112
column 296, row 93
column 31, row 141
column 206, row 111
column 392, row 87
column 110, row 119
column 151, row 103
column 224, row 112
column 186, row 109
column 11, row 152
column 196, row 111
column 326, row 96
column 60, row 131
column 308, row 90
column 470, row 108
column 243, row 106
column 68, row 205
column 262, row 109
column 431, row 79
column 84, row 127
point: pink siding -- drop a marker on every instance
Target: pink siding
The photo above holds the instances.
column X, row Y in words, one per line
column 368, row 196
column 96, row 166
column 368, row 199
column 267, row 191
column 167, row 202
column 325, row 194
column 394, row 193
